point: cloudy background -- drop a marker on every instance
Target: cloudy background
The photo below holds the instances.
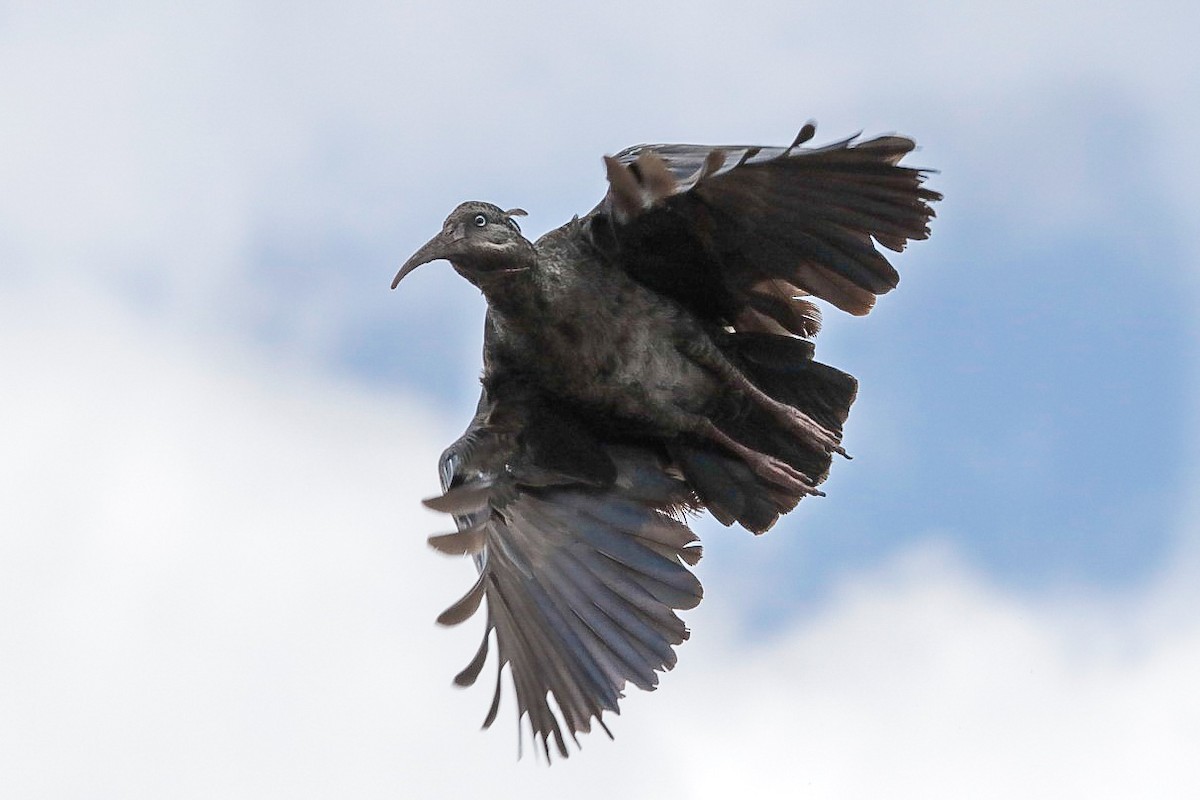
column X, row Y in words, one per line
column 216, row 422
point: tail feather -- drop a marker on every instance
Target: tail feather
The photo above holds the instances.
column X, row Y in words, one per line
column 727, row 487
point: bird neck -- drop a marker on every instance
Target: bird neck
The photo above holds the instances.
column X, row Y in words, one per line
column 512, row 294
column 507, row 280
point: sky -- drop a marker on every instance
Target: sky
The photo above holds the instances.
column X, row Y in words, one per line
column 216, row 422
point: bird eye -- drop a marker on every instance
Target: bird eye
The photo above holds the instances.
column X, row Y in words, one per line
column 480, row 220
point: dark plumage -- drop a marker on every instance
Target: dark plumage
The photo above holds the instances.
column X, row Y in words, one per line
column 650, row 358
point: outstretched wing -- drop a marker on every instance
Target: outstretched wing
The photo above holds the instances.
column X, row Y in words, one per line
column 581, row 559
column 739, row 234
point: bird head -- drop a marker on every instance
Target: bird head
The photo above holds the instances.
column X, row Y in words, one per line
column 481, row 241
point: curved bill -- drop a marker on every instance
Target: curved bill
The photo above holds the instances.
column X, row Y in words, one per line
column 436, row 248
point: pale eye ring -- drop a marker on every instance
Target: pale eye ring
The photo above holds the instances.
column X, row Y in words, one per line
column 480, row 220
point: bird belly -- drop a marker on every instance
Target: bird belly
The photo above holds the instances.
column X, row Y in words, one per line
column 625, row 363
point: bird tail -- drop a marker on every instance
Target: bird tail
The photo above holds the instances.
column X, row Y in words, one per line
column 783, row 367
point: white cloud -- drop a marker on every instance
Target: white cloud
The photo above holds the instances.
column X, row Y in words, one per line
column 212, row 566
column 920, row 680
column 169, row 144
column 215, row 584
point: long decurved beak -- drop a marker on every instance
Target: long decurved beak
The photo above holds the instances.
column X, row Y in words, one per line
column 439, row 247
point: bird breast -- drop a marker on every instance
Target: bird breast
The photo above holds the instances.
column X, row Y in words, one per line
column 605, row 341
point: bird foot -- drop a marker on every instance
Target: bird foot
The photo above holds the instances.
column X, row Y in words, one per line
column 809, row 429
column 781, row 474
column 771, row 469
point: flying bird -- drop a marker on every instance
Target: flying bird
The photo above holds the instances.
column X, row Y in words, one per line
column 651, row 359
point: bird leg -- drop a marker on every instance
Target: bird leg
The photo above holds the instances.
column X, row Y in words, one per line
column 710, row 357
column 769, row 468
column 773, row 470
